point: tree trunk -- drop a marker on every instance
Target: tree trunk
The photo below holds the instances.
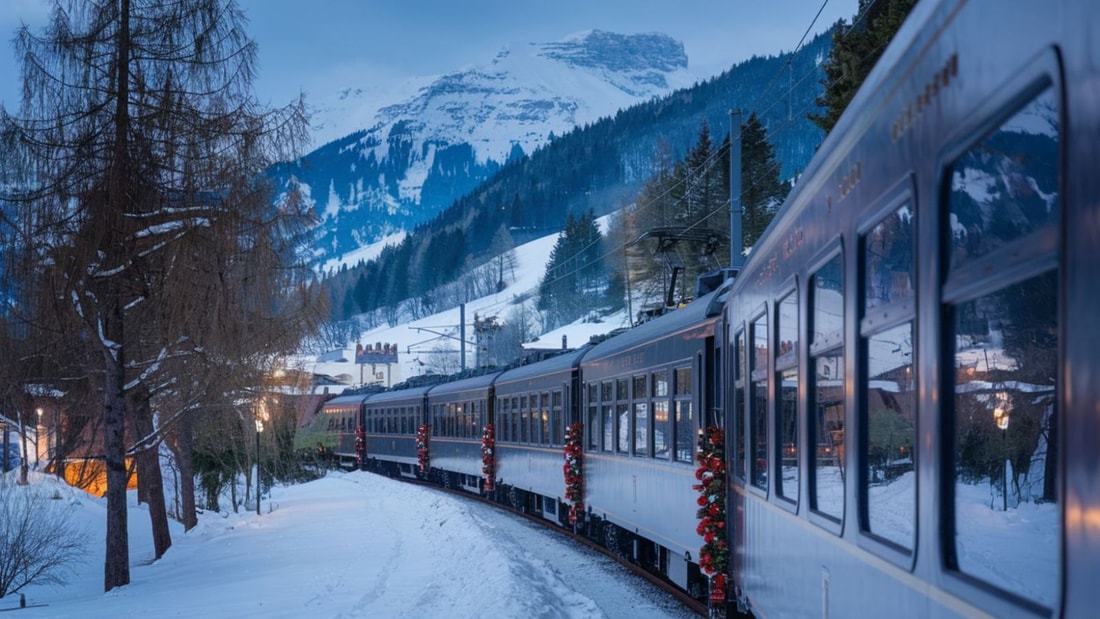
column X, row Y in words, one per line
column 116, row 569
column 181, row 445
column 150, row 482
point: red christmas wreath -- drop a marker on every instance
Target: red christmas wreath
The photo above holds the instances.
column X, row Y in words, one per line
column 574, row 471
column 714, row 554
column 423, row 436
column 488, row 447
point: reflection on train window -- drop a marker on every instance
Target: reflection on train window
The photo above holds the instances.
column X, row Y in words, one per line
column 891, row 489
column 737, row 445
column 556, row 418
column 1005, row 421
column 661, row 429
column 1004, row 197
column 685, row 419
column 828, row 393
column 640, row 395
column 758, row 425
column 889, row 264
column 592, row 423
column 622, row 415
column 1006, row 187
column 544, row 418
column 607, row 398
column 786, row 367
column 788, row 433
column 515, row 431
column 641, row 428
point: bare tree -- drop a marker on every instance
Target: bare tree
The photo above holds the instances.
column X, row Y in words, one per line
column 37, row 538
column 140, row 149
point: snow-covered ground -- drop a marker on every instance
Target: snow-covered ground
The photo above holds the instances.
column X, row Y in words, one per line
column 417, row 340
column 348, row 545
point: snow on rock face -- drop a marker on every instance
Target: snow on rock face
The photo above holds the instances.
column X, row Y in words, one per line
column 415, row 157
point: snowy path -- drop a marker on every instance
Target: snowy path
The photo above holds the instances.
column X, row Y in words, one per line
column 345, row 546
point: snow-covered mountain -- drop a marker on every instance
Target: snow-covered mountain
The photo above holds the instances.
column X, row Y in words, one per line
column 416, row 156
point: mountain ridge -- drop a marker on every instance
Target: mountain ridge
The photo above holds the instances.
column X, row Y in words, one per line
column 422, row 153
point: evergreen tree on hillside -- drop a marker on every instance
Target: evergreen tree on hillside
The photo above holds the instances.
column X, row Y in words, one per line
column 855, row 52
column 762, row 192
column 574, row 273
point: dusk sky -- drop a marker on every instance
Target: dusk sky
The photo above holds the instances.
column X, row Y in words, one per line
column 320, row 46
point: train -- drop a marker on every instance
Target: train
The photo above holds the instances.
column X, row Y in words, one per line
column 890, row 409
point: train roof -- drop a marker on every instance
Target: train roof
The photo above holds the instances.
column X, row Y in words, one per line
column 705, row 309
column 477, row 382
column 559, row 363
column 400, row 394
column 344, row 400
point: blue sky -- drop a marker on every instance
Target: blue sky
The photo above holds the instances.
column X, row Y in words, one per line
column 319, row 46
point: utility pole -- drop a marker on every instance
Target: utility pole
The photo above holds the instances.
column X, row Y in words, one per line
column 737, row 241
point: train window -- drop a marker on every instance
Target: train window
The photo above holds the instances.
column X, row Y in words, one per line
column 890, row 480
column 544, row 419
column 758, row 411
column 685, row 419
column 660, row 429
column 607, row 398
column 592, row 426
column 683, row 381
column 827, row 392
column 786, row 365
column 524, row 421
column 660, row 384
column 640, row 395
column 787, row 416
column 662, row 432
column 556, row 418
column 514, row 420
column 608, row 427
column 1006, row 187
column 622, row 415
column 641, row 428
column 888, row 260
column 1005, row 206
column 737, row 445
column 592, row 423
column 827, row 495
column 1006, row 347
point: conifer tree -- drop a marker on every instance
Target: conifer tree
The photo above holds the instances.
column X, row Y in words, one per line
column 574, row 273
column 855, row 51
column 762, row 191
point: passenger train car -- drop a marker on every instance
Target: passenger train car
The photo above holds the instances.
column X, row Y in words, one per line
column 914, row 419
column 637, row 398
column 904, row 371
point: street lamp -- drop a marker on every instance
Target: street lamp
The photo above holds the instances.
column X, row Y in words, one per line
column 38, row 438
column 1000, row 417
column 259, row 430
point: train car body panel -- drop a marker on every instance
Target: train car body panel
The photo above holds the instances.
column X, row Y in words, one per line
column 391, row 420
column 457, row 413
column 645, row 399
column 914, row 294
column 532, row 460
column 339, row 420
